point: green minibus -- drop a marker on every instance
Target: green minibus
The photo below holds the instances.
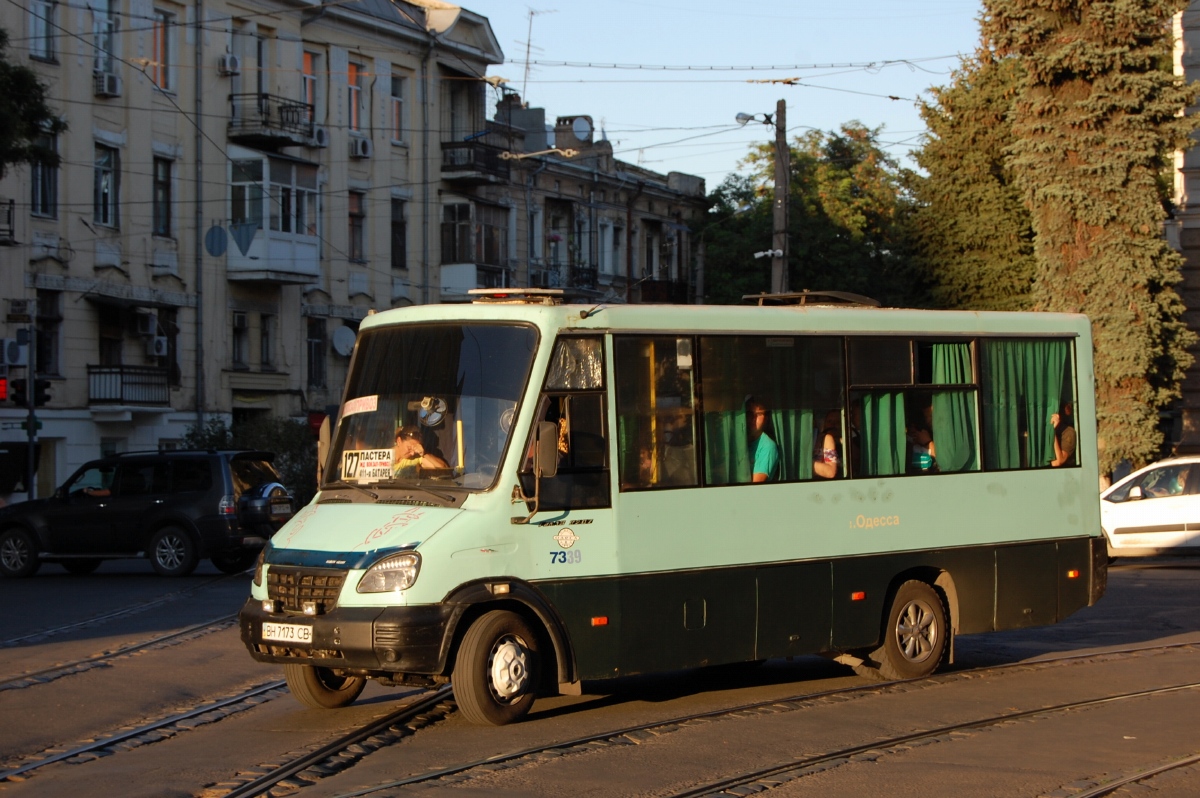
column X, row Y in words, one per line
column 524, row 493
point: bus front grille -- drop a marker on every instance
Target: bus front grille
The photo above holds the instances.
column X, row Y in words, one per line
column 292, row 587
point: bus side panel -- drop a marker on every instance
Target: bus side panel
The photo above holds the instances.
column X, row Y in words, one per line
column 687, row 619
column 1074, row 592
column 1026, row 585
column 793, row 609
column 596, row 646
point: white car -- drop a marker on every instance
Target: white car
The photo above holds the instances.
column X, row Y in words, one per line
column 1154, row 510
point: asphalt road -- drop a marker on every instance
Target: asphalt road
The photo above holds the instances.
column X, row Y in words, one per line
column 55, row 618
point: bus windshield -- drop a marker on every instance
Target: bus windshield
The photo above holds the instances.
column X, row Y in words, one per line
column 431, row 405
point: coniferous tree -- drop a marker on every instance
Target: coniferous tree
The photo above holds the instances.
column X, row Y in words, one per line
column 1095, row 120
column 24, row 114
column 971, row 229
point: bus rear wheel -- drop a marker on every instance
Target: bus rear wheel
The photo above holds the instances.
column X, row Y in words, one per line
column 321, row 688
column 495, row 673
column 914, row 637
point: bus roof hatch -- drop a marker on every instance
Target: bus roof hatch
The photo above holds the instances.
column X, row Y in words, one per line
column 813, row 298
column 519, row 296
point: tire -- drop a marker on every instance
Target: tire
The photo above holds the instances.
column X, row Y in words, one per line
column 321, row 688
column 80, row 566
column 496, row 671
column 18, row 554
column 234, row 562
column 172, row 552
column 915, row 636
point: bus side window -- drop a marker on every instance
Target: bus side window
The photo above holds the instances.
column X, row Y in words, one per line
column 1025, row 383
column 656, row 425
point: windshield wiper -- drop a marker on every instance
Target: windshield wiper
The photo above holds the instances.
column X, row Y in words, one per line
column 341, row 483
column 449, row 498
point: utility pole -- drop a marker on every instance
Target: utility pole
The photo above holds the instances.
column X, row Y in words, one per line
column 779, row 259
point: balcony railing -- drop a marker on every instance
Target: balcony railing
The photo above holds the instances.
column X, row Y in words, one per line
column 268, row 118
column 583, row 277
column 472, row 160
column 128, row 385
column 8, row 223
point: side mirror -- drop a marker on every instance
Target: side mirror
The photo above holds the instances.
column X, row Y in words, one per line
column 1136, row 492
column 545, row 453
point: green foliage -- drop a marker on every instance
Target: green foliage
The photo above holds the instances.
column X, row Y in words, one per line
column 1094, row 122
column 24, row 115
column 292, row 442
column 847, row 210
column 971, row 229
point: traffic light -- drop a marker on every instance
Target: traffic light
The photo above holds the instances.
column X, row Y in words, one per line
column 41, row 392
column 3, row 389
column 17, row 392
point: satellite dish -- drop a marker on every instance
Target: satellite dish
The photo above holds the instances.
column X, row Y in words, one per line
column 343, row 341
column 582, row 128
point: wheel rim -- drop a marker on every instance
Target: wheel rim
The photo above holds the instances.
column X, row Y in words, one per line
column 170, row 551
column 917, row 631
column 14, row 553
column 508, row 669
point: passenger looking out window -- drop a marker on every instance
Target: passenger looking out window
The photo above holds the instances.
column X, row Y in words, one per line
column 764, row 453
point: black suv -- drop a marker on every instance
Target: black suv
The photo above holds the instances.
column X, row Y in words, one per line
column 172, row 507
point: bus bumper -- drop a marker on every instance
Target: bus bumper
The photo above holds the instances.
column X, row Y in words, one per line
column 389, row 639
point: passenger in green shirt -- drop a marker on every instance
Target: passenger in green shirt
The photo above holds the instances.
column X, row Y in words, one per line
column 764, row 453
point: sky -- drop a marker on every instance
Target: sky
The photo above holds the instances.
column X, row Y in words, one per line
column 682, row 120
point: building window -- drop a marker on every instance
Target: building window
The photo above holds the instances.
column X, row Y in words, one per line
column 49, row 323
column 262, row 59
column 491, row 235
column 309, row 77
column 456, row 233
column 110, row 335
column 266, row 342
column 399, row 236
column 104, row 32
column 246, row 192
column 316, row 353
column 397, row 116
column 42, row 31
column 358, row 221
column 106, row 188
column 44, row 200
column 159, row 68
column 162, row 197
column 354, row 74
column 241, row 341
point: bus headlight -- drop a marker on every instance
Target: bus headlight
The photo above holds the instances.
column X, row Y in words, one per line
column 397, row 572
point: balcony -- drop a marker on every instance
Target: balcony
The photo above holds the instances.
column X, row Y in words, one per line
column 583, row 277
column 267, row 120
column 8, row 223
column 145, row 386
column 471, row 162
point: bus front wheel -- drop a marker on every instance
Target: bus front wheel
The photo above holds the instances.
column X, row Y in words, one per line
column 915, row 635
column 321, row 688
column 495, row 673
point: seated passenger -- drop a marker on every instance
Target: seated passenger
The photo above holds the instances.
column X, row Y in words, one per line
column 764, row 453
column 922, row 457
column 1064, row 437
column 827, row 459
column 410, row 456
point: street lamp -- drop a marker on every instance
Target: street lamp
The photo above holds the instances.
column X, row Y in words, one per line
column 779, row 249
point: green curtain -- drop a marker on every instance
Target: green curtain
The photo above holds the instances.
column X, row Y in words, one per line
column 954, row 411
column 884, row 438
column 1029, row 379
column 726, row 452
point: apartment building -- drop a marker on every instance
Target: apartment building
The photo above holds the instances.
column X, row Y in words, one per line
column 243, row 181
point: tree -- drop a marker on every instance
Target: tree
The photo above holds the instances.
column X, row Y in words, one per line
column 1096, row 117
column 24, row 115
column 292, row 442
column 971, row 230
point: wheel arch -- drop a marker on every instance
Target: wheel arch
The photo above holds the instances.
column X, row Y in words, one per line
column 478, row 598
column 942, row 582
column 182, row 522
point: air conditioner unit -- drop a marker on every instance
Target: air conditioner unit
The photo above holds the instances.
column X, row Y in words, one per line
column 361, row 148
column 156, row 346
column 229, row 65
column 107, row 84
column 321, row 137
column 13, row 353
column 147, row 324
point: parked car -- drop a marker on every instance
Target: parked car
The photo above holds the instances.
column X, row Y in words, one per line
column 1155, row 510
column 173, row 508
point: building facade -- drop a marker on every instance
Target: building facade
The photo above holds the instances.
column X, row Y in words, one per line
column 242, row 182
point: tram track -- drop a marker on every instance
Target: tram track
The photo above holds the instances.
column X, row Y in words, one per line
column 59, row 670
column 102, row 618
column 636, row 734
column 1109, row 786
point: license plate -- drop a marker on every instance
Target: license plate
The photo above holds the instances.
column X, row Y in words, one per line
column 281, row 508
column 287, row 632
